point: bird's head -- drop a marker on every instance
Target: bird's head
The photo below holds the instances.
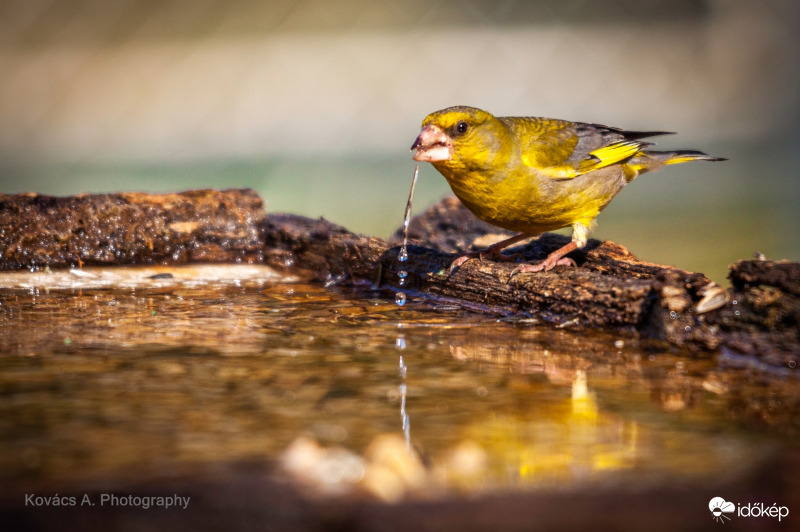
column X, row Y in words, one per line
column 462, row 136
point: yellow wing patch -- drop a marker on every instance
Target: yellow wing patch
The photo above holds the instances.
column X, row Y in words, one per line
column 597, row 159
column 561, row 171
column 611, row 154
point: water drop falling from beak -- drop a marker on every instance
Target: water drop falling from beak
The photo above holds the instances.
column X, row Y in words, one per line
column 402, row 256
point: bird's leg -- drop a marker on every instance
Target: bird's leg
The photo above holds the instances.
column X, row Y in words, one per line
column 493, row 251
column 580, row 234
column 554, row 259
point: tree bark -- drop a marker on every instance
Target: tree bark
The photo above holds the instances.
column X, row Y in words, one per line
column 753, row 322
column 38, row 231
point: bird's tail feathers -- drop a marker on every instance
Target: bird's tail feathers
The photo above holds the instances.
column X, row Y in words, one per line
column 684, row 156
column 650, row 161
column 635, row 135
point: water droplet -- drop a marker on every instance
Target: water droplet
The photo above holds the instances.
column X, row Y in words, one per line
column 400, row 343
column 687, row 329
column 402, row 275
column 333, row 280
column 289, row 261
column 737, row 313
column 673, row 315
column 792, row 364
column 403, row 369
column 403, row 255
column 481, row 391
column 400, row 298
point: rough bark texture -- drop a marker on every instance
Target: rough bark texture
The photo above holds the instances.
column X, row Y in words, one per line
column 762, row 318
column 755, row 321
column 320, row 250
column 611, row 289
column 130, row 228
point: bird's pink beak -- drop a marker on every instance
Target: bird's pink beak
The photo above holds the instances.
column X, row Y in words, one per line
column 432, row 145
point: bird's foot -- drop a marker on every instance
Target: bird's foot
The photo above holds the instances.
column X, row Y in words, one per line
column 545, row 265
column 456, row 264
column 554, row 259
column 492, row 252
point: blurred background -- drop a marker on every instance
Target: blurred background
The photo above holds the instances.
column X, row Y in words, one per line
column 314, row 103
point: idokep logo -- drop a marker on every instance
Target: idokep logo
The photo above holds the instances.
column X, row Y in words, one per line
column 719, row 507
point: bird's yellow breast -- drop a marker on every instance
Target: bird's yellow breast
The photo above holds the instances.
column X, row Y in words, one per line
column 515, row 197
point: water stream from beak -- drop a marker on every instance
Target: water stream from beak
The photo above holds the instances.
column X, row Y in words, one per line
column 400, row 297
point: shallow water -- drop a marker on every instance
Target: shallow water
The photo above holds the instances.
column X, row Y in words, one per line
column 344, row 391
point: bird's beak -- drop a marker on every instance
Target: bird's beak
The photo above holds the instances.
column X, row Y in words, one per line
column 432, row 145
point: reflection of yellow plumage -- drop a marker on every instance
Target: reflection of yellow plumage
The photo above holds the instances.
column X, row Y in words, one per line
column 532, row 175
column 584, row 406
column 562, row 442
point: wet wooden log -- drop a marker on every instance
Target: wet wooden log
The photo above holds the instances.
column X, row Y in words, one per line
column 610, row 288
column 760, row 323
column 754, row 322
column 38, row 231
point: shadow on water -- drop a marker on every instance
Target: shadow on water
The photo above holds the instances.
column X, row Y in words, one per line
column 344, row 395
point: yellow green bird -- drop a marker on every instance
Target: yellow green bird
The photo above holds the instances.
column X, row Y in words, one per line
column 532, row 175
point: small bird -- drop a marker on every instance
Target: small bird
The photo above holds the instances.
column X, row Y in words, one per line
column 531, row 175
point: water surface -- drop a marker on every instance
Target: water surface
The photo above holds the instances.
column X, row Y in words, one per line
column 343, row 391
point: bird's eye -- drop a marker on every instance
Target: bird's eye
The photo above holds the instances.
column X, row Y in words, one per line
column 462, row 127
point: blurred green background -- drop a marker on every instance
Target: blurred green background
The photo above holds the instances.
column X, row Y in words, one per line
column 315, row 103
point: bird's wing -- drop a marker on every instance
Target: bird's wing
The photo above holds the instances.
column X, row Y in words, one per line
column 565, row 150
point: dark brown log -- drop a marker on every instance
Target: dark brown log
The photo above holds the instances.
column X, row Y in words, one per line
column 755, row 321
column 130, row 228
column 610, row 288
column 320, row 250
column 761, row 322
column 783, row 275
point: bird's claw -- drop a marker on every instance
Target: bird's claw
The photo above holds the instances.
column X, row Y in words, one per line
column 487, row 253
column 456, row 264
column 546, row 265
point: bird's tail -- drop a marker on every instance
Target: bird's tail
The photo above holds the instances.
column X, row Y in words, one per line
column 649, row 161
column 684, row 156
